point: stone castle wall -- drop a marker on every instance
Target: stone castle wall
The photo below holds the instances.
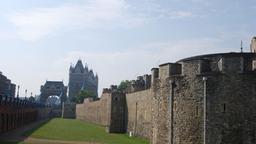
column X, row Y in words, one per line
column 132, row 110
column 139, row 112
column 95, row 111
column 231, row 109
column 207, row 99
column 109, row 111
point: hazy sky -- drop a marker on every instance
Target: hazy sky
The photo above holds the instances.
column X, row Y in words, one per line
column 118, row 39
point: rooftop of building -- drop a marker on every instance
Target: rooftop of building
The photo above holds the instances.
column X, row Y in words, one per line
column 54, row 82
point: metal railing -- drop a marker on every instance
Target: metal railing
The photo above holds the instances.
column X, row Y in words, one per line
column 16, row 102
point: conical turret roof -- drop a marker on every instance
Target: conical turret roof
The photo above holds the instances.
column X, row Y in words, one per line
column 79, row 68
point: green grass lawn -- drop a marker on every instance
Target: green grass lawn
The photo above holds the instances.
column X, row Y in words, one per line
column 75, row 130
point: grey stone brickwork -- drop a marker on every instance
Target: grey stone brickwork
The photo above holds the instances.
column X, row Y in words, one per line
column 219, row 110
column 139, row 113
column 207, row 99
column 95, row 111
column 108, row 111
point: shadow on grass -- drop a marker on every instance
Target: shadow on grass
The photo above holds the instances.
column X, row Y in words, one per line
column 18, row 135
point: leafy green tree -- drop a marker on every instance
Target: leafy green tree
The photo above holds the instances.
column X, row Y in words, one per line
column 124, row 85
column 32, row 99
column 82, row 95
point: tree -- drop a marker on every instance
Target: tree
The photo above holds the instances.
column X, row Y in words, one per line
column 82, row 95
column 32, row 99
column 124, row 85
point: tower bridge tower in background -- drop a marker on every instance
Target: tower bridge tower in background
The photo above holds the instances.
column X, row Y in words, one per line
column 81, row 78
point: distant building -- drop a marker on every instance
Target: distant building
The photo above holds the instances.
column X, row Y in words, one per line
column 81, row 78
column 7, row 88
column 53, row 88
column 3, row 80
column 13, row 90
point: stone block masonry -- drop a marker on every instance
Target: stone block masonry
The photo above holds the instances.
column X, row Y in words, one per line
column 95, row 111
column 139, row 113
column 208, row 99
column 109, row 111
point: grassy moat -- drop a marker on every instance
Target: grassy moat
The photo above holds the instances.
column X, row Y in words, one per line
column 75, row 131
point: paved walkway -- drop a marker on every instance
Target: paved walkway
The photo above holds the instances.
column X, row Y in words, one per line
column 16, row 136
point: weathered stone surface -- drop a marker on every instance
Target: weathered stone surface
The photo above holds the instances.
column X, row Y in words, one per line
column 207, row 99
column 139, row 113
column 95, row 111
column 109, row 111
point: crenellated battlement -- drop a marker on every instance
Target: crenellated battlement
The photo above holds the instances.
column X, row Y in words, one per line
column 219, row 63
column 141, row 83
column 222, row 63
column 170, row 105
column 207, row 64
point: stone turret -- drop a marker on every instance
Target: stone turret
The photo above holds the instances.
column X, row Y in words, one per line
column 205, row 99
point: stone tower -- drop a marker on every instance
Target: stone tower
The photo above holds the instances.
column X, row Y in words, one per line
column 207, row 99
column 80, row 78
column 253, row 45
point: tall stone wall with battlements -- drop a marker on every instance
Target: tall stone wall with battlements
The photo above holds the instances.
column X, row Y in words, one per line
column 208, row 99
column 131, row 110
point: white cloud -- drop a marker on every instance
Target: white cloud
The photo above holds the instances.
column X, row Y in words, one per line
column 180, row 14
column 117, row 66
column 36, row 23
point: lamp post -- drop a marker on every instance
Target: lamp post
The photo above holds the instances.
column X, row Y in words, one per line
column 26, row 91
column 18, row 92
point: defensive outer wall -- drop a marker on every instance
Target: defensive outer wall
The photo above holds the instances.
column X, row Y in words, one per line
column 209, row 99
column 109, row 111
